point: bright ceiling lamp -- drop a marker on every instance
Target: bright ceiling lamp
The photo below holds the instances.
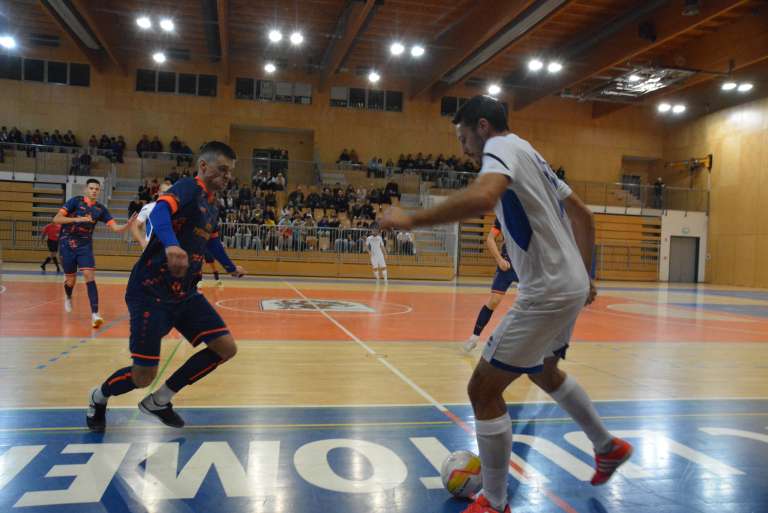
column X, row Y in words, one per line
column 144, row 23
column 396, row 48
column 373, row 77
column 275, row 35
column 159, row 57
column 535, row 65
column 494, row 89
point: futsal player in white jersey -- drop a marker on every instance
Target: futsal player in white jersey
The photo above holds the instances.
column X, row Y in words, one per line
column 374, row 245
column 142, row 228
column 549, row 235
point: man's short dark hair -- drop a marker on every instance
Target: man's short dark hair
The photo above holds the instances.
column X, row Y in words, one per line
column 213, row 149
column 481, row 106
column 92, row 180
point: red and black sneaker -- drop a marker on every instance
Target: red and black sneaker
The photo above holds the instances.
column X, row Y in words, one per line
column 607, row 463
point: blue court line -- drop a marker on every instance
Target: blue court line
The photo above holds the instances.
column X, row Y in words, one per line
column 82, row 341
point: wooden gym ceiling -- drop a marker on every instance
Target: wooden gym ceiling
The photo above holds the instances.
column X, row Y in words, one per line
column 471, row 42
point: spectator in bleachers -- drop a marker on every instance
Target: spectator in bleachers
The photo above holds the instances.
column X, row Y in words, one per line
column 353, row 158
column 47, row 140
column 156, row 146
column 93, row 143
column 296, row 198
column 175, row 145
column 658, row 192
column 392, row 190
column 344, row 157
column 3, row 134
column 143, row 146
column 270, row 198
column 340, row 202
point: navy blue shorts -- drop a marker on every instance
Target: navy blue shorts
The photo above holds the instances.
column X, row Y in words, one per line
column 208, row 258
column 74, row 258
column 194, row 318
column 502, row 280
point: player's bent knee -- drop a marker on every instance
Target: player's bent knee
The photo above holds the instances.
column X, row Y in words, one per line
column 143, row 376
column 548, row 380
column 224, row 346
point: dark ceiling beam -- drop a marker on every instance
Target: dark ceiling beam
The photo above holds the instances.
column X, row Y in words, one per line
column 95, row 24
column 357, row 15
column 94, row 57
column 222, row 10
column 668, row 23
column 478, row 27
column 743, row 43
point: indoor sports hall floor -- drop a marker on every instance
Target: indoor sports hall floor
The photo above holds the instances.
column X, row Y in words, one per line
column 346, row 396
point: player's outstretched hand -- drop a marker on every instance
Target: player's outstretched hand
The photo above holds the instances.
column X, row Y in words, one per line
column 178, row 261
column 592, row 293
column 84, row 219
column 504, row 265
column 239, row 272
column 396, row 218
column 132, row 219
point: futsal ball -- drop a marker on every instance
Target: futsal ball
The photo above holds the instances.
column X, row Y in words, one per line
column 461, row 474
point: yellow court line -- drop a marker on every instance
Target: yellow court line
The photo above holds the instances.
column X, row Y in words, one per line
column 554, row 420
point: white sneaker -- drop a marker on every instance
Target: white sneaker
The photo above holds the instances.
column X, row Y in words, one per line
column 96, row 321
column 470, row 344
column 67, row 304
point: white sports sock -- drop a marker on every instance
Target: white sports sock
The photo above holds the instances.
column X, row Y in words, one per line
column 98, row 397
column 163, row 395
column 494, row 440
column 376, row 273
column 384, row 272
column 574, row 400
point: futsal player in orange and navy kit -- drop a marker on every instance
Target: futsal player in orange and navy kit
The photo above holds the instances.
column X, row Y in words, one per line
column 78, row 218
column 162, row 292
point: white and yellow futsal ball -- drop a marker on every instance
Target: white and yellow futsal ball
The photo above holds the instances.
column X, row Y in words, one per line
column 461, row 474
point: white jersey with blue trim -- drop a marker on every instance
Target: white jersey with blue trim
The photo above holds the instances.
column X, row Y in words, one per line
column 143, row 217
column 537, row 231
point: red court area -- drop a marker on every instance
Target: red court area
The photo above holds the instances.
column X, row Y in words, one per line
column 395, row 313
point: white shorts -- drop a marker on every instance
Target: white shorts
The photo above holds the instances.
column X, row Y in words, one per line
column 377, row 260
column 530, row 332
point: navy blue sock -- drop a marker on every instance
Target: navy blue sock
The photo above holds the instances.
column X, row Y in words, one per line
column 482, row 319
column 197, row 367
column 119, row 383
column 216, row 275
column 68, row 291
column 93, row 296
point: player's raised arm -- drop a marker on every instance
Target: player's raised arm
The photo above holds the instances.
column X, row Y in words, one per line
column 62, row 216
column 475, row 200
column 137, row 229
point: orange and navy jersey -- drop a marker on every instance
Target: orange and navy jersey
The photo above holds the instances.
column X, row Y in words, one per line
column 52, row 231
column 496, row 231
column 194, row 217
column 81, row 234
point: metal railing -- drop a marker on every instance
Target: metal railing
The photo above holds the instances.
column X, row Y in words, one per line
column 40, row 159
column 275, row 243
column 606, row 194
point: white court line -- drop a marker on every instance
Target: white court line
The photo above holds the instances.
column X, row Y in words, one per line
column 416, row 388
column 30, row 307
column 394, row 405
column 3, row 288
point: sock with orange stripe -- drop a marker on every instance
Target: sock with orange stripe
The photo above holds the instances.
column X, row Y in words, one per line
column 118, row 383
column 196, row 368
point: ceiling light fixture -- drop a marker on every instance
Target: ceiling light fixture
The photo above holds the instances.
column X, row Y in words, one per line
column 396, row 48
column 635, row 78
column 417, row 51
column 494, row 89
column 275, row 36
column 535, row 65
column 729, row 86
column 144, row 22
column 8, row 42
column 664, row 107
column 373, row 77
column 554, row 67
column 745, row 87
column 297, row 38
column 167, row 25
column 269, row 67
column 678, row 109
column 159, row 57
